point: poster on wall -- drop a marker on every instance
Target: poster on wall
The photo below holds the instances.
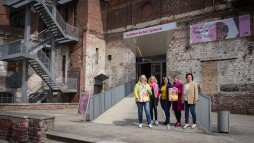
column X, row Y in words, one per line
column 244, row 25
column 220, row 29
column 83, row 105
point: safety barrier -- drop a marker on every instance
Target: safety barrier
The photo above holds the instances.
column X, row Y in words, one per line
column 203, row 110
column 100, row 103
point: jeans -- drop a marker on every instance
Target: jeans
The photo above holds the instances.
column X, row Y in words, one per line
column 177, row 112
column 153, row 108
column 140, row 112
column 165, row 104
column 193, row 112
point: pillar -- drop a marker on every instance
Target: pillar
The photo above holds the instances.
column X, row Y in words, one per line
column 24, row 95
column 52, row 57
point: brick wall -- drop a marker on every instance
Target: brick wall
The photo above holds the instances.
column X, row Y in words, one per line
column 24, row 128
column 95, row 61
column 223, row 69
column 122, row 14
column 36, row 106
column 4, row 14
column 122, row 67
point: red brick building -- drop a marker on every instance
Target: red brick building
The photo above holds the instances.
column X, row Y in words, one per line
column 223, row 68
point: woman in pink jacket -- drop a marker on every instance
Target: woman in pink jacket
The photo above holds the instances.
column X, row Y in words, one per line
column 154, row 99
column 177, row 106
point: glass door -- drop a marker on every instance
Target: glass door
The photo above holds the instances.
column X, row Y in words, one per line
column 156, row 71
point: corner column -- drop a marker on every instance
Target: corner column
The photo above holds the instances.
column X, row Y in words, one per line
column 24, row 95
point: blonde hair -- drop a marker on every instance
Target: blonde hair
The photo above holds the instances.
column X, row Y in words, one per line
column 149, row 80
column 143, row 76
column 176, row 76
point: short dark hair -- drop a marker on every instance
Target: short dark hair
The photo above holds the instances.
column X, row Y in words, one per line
column 190, row 75
column 164, row 79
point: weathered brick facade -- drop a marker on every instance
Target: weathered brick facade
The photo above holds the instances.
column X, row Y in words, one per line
column 222, row 68
column 18, row 127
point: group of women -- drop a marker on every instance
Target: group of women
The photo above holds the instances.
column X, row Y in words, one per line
column 149, row 94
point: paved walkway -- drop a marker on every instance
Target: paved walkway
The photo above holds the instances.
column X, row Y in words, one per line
column 119, row 124
column 125, row 114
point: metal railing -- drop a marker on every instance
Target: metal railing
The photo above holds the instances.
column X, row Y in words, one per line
column 6, row 97
column 203, row 109
column 19, row 47
column 8, row 2
column 66, row 28
column 100, row 103
column 68, row 83
column 12, row 48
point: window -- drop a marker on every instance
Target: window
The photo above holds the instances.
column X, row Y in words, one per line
column 75, row 13
column 63, row 65
column 97, row 56
column 47, row 52
column 66, row 12
column 17, row 18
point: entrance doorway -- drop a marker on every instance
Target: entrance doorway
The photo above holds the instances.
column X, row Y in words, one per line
column 153, row 67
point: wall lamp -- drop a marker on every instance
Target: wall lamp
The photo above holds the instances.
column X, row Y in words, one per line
column 250, row 48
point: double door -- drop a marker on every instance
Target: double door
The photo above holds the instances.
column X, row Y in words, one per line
column 158, row 69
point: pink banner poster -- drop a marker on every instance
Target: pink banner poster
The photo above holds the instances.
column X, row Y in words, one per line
column 244, row 25
column 83, row 104
column 203, row 32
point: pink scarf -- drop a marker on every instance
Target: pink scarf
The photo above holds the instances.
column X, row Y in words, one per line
column 155, row 87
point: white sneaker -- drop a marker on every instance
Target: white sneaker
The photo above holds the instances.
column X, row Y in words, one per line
column 140, row 125
column 168, row 126
column 156, row 123
column 150, row 126
column 193, row 126
column 152, row 122
column 185, row 126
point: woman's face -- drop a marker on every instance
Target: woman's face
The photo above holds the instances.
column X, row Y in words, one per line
column 189, row 78
column 176, row 79
column 152, row 79
column 142, row 79
column 165, row 81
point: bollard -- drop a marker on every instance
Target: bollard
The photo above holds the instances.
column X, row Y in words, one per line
column 223, row 121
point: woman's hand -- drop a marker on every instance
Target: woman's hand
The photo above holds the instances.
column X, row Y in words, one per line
column 149, row 92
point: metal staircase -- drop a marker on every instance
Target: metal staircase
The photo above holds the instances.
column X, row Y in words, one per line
column 39, row 61
column 39, row 96
column 46, row 9
column 62, row 33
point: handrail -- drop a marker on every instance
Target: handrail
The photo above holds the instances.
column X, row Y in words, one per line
column 49, row 65
column 19, row 47
column 62, row 25
column 203, row 109
column 49, row 5
column 99, row 103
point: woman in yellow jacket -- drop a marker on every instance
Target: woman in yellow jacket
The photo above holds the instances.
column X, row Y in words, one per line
column 142, row 92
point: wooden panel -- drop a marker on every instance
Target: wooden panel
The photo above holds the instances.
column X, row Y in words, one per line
column 209, row 77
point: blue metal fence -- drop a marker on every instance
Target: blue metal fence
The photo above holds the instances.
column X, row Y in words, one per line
column 102, row 102
column 203, row 109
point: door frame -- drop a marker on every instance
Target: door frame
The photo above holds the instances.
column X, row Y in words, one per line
column 138, row 67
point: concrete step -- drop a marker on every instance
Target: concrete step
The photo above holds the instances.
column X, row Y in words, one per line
column 67, row 138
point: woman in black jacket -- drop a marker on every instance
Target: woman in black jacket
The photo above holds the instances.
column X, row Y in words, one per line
column 165, row 103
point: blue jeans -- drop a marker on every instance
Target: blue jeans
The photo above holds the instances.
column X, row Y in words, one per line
column 193, row 112
column 140, row 112
column 165, row 104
